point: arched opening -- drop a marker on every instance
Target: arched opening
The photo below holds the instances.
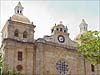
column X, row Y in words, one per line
column 17, row 11
column 52, row 30
column 92, row 68
column 20, row 12
column 16, row 33
column 64, row 30
column 61, row 29
column 25, row 34
column 57, row 29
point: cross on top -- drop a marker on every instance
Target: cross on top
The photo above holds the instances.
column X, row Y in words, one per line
column 60, row 22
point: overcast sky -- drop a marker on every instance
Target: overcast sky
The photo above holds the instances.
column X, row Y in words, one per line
column 45, row 14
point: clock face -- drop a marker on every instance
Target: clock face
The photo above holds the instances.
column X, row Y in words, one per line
column 61, row 38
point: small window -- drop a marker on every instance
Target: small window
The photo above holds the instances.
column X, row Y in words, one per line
column 52, row 30
column 17, row 11
column 20, row 11
column 0, row 69
column 57, row 29
column 19, row 67
column 19, row 55
column 24, row 34
column 84, row 28
column 16, row 33
column 92, row 68
column 64, row 30
column 60, row 29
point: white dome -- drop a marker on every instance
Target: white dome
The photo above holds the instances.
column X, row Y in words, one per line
column 20, row 18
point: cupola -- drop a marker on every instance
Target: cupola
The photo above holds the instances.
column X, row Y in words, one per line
column 18, row 16
column 19, row 9
column 59, row 28
column 83, row 26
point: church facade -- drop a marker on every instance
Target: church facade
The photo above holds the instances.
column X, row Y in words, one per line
column 51, row 55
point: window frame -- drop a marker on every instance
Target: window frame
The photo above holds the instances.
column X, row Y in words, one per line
column 16, row 33
column 20, row 55
column 25, row 34
column 92, row 68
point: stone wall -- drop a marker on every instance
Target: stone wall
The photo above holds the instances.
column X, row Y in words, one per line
column 11, row 56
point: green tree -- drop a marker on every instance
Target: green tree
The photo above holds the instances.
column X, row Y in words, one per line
column 90, row 46
column 11, row 73
column 1, row 62
column 6, row 72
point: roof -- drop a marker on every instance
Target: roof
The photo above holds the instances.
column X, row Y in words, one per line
column 83, row 22
column 20, row 18
column 19, row 5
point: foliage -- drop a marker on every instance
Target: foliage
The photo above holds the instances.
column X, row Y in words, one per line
column 1, row 60
column 11, row 73
column 90, row 46
column 6, row 72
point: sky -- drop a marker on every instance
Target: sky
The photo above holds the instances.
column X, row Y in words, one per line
column 45, row 13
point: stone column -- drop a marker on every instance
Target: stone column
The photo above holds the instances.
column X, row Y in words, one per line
column 39, row 59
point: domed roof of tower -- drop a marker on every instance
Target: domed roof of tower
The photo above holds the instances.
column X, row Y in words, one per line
column 18, row 16
column 58, row 25
column 59, row 28
column 83, row 22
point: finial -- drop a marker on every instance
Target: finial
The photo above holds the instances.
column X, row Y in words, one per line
column 32, row 23
column 9, row 19
column 83, row 20
column 60, row 22
column 55, row 24
column 19, row 4
column 66, row 28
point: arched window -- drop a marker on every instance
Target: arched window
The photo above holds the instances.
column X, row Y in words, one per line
column 92, row 68
column 64, row 30
column 17, row 11
column 16, row 33
column 57, row 29
column 52, row 30
column 24, row 34
column 60, row 29
column 20, row 12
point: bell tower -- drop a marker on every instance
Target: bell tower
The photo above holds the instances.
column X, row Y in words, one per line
column 18, row 43
column 18, row 27
column 83, row 26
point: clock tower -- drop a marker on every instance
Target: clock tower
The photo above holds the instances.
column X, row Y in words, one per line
column 60, row 35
